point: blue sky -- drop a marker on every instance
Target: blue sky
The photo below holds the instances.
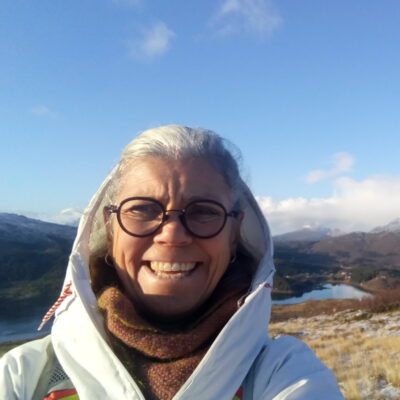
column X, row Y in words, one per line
column 308, row 90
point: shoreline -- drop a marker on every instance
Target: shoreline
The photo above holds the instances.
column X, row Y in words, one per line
column 320, row 286
column 278, row 311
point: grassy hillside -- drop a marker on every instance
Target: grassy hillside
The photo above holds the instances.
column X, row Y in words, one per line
column 361, row 343
column 33, row 258
column 359, row 340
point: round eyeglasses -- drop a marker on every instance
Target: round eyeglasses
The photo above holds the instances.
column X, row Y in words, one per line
column 142, row 216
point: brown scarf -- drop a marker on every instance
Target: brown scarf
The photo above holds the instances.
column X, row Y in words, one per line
column 159, row 360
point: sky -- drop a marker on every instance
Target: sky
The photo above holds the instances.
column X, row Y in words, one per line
column 308, row 90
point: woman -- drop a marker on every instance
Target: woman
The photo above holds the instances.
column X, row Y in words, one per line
column 167, row 293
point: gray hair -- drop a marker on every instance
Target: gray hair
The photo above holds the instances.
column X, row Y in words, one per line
column 171, row 142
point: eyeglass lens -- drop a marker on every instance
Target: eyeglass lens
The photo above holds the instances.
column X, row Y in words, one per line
column 144, row 216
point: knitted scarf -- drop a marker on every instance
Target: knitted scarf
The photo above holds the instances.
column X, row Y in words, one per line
column 159, row 360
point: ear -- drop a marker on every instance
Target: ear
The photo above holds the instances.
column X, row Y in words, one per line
column 106, row 214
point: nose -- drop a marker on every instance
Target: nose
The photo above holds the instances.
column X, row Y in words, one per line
column 172, row 232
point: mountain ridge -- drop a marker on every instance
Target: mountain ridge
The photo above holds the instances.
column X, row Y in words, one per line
column 34, row 256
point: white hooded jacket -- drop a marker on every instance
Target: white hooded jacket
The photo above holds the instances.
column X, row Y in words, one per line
column 241, row 356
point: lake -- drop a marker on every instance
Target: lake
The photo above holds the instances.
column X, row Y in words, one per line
column 22, row 328
column 328, row 291
column 25, row 327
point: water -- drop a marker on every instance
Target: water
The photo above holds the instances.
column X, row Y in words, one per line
column 328, row 291
column 23, row 328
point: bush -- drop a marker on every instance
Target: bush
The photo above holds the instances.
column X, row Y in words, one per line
column 363, row 274
column 382, row 302
column 280, row 283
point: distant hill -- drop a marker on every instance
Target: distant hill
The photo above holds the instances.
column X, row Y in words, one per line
column 17, row 228
column 33, row 258
column 34, row 255
column 393, row 226
column 324, row 247
column 356, row 257
column 381, row 250
column 307, row 235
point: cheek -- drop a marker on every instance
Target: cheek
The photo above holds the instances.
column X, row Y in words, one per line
column 126, row 252
column 220, row 254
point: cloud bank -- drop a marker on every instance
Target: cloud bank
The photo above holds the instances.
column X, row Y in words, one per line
column 152, row 41
column 252, row 16
column 354, row 206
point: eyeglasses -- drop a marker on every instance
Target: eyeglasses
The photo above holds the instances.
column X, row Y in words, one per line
column 143, row 216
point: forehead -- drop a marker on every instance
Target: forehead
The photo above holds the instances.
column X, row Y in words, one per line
column 174, row 181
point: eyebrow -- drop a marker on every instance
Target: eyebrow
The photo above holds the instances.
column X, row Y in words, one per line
column 203, row 197
column 186, row 200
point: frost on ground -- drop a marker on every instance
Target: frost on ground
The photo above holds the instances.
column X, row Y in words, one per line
column 362, row 348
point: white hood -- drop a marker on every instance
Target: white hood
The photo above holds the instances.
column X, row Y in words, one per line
column 282, row 369
column 80, row 341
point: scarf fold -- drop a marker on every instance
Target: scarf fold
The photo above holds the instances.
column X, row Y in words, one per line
column 159, row 360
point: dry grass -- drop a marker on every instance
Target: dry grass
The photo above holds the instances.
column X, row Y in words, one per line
column 388, row 300
column 359, row 340
column 362, row 365
column 362, row 348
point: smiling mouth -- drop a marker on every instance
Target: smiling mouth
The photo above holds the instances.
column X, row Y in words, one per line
column 171, row 270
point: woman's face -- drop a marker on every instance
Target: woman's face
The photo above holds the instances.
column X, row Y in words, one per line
column 171, row 273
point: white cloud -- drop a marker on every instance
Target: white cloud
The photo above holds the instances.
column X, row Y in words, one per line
column 254, row 16
column 354, row 206
column 342, row 162
column 153, row 41
column 42, row 111
column 68, row 216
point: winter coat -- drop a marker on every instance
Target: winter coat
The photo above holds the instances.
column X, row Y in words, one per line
column 242, row 355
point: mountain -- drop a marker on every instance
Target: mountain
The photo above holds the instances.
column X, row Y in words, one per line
column 34, row 255
column 33, row 258
column 307, row 234
column 393, row 226
column 377, row 250
column 380, row 249
column 369, row 259
column 21, row 229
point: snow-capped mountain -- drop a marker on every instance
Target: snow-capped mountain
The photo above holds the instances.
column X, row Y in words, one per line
column 68, row 216
column 22, row 229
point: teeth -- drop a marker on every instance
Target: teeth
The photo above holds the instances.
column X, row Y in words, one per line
column 174, row 276
column 159, row 266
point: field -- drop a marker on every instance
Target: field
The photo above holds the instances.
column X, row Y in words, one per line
column 359, row 340
column 361, row 344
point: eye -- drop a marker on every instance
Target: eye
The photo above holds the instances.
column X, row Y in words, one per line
column 142, row 211
column 204, row 212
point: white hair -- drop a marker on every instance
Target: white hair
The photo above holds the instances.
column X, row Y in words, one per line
column 170, row 142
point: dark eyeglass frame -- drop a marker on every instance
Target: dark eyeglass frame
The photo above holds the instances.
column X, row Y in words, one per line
column 113, row 209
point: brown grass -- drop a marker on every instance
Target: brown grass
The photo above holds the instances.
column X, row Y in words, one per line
column 359, row 340
column 384, row 301
column 361, row 364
